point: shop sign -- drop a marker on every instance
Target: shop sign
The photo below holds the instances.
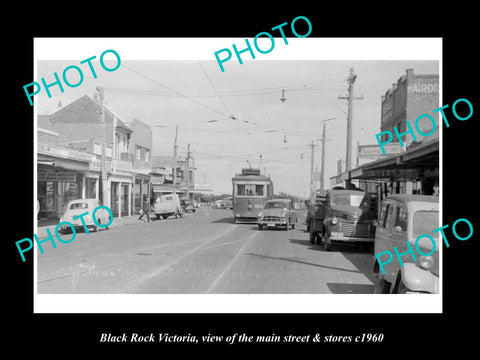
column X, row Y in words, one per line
column 56, row 175
column 423, row 88
column 64, row 152
column 374, row 151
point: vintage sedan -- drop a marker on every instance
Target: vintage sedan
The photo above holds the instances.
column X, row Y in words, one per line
column 402, row 219
column 277, row 213
column 188, row 205
column 81, row 206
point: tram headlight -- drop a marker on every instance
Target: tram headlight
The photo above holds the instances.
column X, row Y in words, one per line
column 249, row 206
column 334, row 220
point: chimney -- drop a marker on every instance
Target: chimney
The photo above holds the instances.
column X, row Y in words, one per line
column 409, row 73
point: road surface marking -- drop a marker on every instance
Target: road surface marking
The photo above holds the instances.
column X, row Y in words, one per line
column 228, row 267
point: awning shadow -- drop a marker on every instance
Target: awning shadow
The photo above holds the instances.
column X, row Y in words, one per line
column 260, row 256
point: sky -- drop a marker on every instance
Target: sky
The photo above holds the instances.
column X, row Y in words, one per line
column 235, row 119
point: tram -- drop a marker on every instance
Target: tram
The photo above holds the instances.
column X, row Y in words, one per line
column 250, row 191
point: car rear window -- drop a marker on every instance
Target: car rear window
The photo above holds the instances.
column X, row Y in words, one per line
column 79, row 206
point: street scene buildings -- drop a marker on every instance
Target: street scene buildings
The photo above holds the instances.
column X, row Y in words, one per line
column 303, row 132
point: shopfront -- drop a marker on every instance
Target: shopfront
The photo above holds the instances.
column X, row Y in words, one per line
column 120, row 196
column 55, row 188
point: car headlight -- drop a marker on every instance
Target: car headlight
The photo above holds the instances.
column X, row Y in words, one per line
column 426, row 262
column 334, row 220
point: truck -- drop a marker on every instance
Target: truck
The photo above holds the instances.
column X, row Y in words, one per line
column 343, row 216
column 168, row 205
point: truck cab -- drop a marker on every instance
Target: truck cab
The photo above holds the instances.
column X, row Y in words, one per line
column 344, row 216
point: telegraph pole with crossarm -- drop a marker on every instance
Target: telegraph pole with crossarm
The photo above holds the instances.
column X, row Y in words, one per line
column 351, row 80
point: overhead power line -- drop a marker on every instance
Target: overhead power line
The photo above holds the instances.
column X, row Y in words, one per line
column 173, row 90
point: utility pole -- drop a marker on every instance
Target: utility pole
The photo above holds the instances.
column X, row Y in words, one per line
column 322, row 179
column 103, row 165
column 174, row 190
column 312, row 182
column 323, row 139
column 188, row 171
column 348, row 157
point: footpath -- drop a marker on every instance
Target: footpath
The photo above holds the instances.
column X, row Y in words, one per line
column 124, row 220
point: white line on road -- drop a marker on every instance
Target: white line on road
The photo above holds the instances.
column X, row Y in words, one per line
column 228, row 267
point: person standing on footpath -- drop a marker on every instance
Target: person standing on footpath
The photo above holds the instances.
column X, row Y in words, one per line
column 145, row 208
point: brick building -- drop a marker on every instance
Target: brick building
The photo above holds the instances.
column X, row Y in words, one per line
column 411, row 96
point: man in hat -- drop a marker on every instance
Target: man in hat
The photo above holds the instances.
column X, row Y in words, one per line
column 145, row 208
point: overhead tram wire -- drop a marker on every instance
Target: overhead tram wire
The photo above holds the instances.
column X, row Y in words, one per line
column 173, row 90
column 228, row 109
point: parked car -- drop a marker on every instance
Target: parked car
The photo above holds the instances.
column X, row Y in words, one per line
column 402, row 219
column 343, row 216
column 80, row 206
column 168, row 205
column 277, row 213
column 219, row 204
column 187, row 205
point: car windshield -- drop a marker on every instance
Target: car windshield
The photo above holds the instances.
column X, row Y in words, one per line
column 275, row 205
column 79, row 206
column 424, row 222
column 347, row 199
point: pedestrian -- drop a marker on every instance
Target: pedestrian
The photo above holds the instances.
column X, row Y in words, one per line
column 145, row 208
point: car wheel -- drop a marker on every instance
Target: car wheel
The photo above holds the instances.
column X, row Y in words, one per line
column 327, row 243
column 260, row 227
column 402, row 289
column 382, row 286
column 164, row 217
column 94, row 228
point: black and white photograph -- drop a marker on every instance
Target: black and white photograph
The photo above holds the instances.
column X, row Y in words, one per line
column 202, row 177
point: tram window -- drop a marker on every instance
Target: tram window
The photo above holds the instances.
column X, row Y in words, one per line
column 250, row 190
column 240, row 190
column 259, row 190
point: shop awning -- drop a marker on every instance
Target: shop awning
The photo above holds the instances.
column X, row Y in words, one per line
column 405, row 166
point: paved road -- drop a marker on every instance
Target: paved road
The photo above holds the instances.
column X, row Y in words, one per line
column 203, row 252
